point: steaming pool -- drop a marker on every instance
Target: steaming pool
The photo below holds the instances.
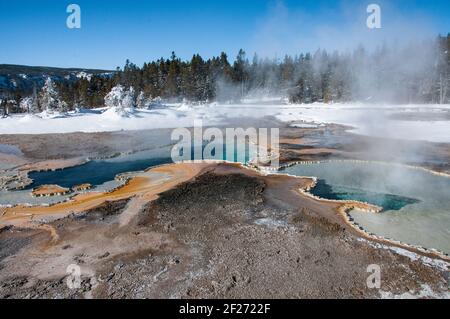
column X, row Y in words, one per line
column 100, row 173
column 416, row 203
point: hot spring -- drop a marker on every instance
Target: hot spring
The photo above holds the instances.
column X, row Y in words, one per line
column 98, row 172
column 416, row 203
column 101, row 173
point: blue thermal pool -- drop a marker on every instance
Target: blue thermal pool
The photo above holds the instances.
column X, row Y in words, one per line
column 416, row 203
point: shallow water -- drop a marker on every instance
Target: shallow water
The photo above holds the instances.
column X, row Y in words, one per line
column 416, row 204
column 101, row 173
column 10, row 149
column 386, row 201
column 98, row 172
column 11, row 198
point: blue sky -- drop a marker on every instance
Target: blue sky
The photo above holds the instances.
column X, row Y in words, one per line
column 35, row 32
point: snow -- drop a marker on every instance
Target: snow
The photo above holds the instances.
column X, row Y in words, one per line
column 425, row 293
column 101, row 120
column 26, row 103
column 304, row 125
column 84, row 75
column 374, row 120
column 50, row 98
column 121, row 101
column 427, row 261
column 115, row 114
column 367, row 119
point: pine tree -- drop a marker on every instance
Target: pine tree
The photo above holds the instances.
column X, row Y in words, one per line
column 383, row 75
column 287, row 71
column 172, row 84
column 141, row 100
column 26, row 104
column 121, row 100
column 35, row 101
column 240, row 71
column 49, row 98
column 3, row 106
column 443, row 69
column 129, row 99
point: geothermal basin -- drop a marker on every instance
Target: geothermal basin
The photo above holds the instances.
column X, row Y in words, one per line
column 415, row 202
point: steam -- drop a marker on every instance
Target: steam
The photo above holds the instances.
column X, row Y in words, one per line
column 394, row 64
column 342, row 27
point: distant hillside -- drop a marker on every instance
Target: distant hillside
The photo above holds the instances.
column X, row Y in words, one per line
column 38, row 70
column 23, row 77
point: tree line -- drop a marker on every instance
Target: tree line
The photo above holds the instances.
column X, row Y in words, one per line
column 415, row 73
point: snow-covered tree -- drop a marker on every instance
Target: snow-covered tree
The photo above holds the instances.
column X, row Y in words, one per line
column 49, row 96
column 29, row 104
column 128, row 102
column 142, row 101
column 26, row 104
column 35, row 101
column 120, row 99
column 63, row 107
column 114, row 98
column 4, row 107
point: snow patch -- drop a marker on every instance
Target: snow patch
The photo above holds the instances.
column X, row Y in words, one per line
column 372, row 120
column 83, row 75
column 433, row 263
column 115, row 114
column 425, row 293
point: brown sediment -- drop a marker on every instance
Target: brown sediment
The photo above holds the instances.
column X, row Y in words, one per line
column 143, row 184
column 49, row 190
column 294, row 191
column 293, row 141
column 53, row 233
column 205, row 231
column 143, row 188
column 52, row 165
column 316, row 151
column 82, row 187
column 12, row 159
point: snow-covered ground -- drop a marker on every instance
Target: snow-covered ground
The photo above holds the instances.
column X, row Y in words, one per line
column 373, row 120
column 380, row 120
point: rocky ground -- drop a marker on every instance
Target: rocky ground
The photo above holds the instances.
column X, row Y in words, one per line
column 229, row 233
column 226, row 234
